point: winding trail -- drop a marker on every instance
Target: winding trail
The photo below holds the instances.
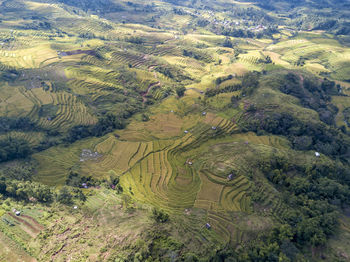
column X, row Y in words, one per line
column 150, row 68
column 148, row 90
column 196, row 90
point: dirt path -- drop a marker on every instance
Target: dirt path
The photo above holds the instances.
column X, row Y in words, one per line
column 169, row 40
column 148, row 90
column 150, row 68
column 24, row 222
column 27, row 227
column 57, row 252
column 34, row 221
column 196, row 90
column 301, row 80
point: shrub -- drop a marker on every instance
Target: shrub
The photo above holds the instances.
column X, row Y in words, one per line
column 64, row 196
column 180, row 91
column 159, row 215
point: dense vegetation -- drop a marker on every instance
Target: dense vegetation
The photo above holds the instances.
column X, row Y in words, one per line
column 13, row 149
column 9, row 124
column 315, row 195
column 323, row 137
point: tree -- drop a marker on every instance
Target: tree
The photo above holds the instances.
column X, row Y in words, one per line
column 159, row 215
column 114, row 180
column 80, row 195
column 2, row 186
column 251, row 79
column 74, row 180
column 64, row 196
column 43, row 193
column 180, row 91
column 119, row 189
column 227, row 43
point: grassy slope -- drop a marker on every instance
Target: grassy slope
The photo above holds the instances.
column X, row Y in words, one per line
column 11, row 252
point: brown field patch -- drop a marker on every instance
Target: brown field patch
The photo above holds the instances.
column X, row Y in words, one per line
column 209, row 190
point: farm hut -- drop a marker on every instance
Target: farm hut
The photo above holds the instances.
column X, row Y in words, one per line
column 317, row 154
column 75, row 207
column 213, row 127
column 186, row 131
column 204, row 113
column 230, row 177
column 18, row 213
column 190, row 163
column 208, row 226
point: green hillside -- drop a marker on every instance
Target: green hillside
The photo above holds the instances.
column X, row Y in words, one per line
column 174, row 130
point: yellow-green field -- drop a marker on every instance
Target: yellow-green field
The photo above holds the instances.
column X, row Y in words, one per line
column 162, row 165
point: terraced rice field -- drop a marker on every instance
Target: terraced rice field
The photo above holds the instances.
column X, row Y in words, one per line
column 165, row 50
column 251, row 60
column 10, row 251
column 273, row 141
column 321, row 55
column 164, row 161
column 157, row 180
column 22, row 229
column 18, row 101
column 130, row 59
column 88, row 80
column 27, row 58
column 55, row 164
column 161, row 173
